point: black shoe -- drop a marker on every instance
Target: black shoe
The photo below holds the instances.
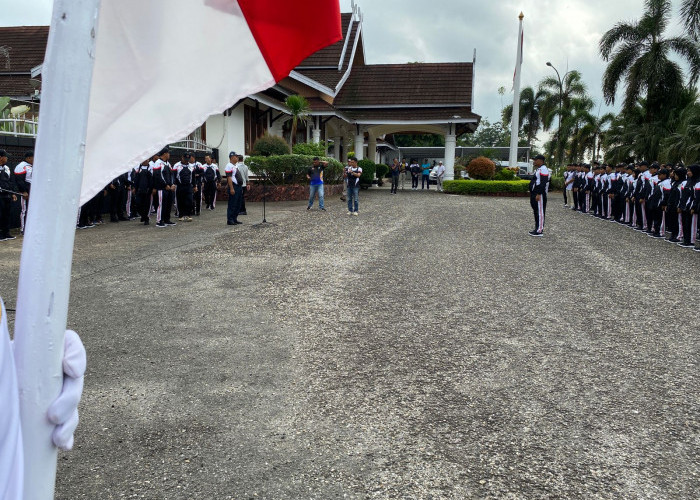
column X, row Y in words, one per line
column 237, row 222
column 123, row 219
column 243, row 213
column 308, row 208
column 171, row 223
column 160, row 224
column 230, row 223
column 8, row 238
column 322, row 209
column 673, row 240
column 685, row 245
column 535, row 233
column 146, row 223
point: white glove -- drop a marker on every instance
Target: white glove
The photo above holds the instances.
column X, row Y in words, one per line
column 63, row 412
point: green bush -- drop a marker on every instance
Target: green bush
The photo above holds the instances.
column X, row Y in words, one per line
column 477, row 187
column 556, row 183
column 292, row 169
column 309, row 149
column 382, row 171
column 270, row 145
column 368, row 170
column 504, row 174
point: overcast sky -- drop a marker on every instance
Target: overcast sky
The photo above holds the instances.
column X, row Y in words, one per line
column 565, row 32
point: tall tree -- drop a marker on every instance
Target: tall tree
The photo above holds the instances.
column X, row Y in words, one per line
column 690, row 12
column 530, row 112
column 299, row 109
column 592, row 134
column 639, row 55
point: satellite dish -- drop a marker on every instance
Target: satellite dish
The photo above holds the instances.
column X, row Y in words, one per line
column 36, row 84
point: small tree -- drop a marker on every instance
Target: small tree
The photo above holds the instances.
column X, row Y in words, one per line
column 310, row 149
column 299, row 109
column 481, row 168
column 270, row 145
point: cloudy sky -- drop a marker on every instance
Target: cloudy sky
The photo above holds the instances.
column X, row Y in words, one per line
column 565, row 32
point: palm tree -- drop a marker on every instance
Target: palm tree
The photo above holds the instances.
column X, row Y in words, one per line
column 530, row 114
column 299, row 109
column 592, row 134
column 638, row 55
column 690, row 12
column 684, row 143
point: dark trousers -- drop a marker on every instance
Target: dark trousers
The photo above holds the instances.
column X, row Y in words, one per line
column 143, row 202
column 639, row 209
column 4, row 216
column 538, row 209
column 566, row 200
column 165, row 205
column 115, row 209
column 242, row 210
column 184, row 200
column 672, row 225
column 690, row 227
column 425, row 182
column 582, row 196
column 394, row 183
column 650, row 216
column 657, row 216
column 414, row 181
column 234, row 204
column 209, row 190
column 198, row 199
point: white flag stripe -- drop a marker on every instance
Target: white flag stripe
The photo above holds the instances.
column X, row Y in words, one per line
column 134, row 107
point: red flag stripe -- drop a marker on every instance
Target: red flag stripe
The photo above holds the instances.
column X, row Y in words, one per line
column 288, row 31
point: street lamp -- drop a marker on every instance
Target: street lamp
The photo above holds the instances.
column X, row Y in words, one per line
column 560, row 103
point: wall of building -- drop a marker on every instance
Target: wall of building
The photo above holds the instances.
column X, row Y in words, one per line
column 226, row 133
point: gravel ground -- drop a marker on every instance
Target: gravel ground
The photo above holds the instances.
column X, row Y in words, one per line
column 428, row 348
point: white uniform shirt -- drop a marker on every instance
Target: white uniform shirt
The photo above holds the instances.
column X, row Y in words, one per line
column 24, row 167
column 231, row 170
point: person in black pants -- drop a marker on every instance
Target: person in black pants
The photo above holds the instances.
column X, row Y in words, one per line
column 7, row 183
column 165, row 187
column 183, row 179
column 415, row 173
column 116, row 195
column 143, row 189
column 211, row 177
column 197, row 181
column 395, row 169
column 234, row 180
column 539, row 185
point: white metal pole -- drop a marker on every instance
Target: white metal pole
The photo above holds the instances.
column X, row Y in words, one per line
column 47, row 251
column 513, row 156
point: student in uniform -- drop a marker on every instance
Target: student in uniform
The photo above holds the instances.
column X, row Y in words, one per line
column 689, row 218
column 243, row 169
column 7, row 184
column 184, row 175
column 353, row 173
column 674, row 197
column 212, row 177
column 164, row 185
column 234, row 181
column 143, row 190
column 198, row 180
column 23, row 180
column 415, row 173
column 658, row 201
column 538, row 194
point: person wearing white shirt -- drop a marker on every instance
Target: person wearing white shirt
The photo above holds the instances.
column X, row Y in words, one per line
column 234, row 180
column 243, row 169
column 440, row 175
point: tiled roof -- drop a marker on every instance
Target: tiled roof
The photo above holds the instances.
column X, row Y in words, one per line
column 319, row 105
column 380, row 115
column 406, row 84
column 15, row 86
column 330, row 56
column 25, row 47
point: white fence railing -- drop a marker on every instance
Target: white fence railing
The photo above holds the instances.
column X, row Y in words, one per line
column 18, row 127
column 192, row 145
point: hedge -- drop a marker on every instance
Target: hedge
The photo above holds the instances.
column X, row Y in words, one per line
column 368, row 169
column 556, row 183
column 476, row 187
column 292, row 169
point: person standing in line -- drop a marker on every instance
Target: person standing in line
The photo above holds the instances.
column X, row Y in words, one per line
column 165, row 188
column 114, row 191
column 353, row 172
column 23, row 180
column 245, row 186
column 143, row 190
column 426, row 168
column 395, row 169
column 569, row 176
column 538, row 194
column 404, row 174
column 7, row 184
column 415, row 172
column 440, row 176
column 234, row 181
column 315, row 176
column 197, row 181
column 183, row 179
column 673, row 218
column 212, row 177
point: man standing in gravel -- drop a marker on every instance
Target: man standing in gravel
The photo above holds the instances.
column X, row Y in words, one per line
column 234, row 182
column 538, row 194
column 353, row 173
column 315, row 176
column 440, row 175
column 243, row 169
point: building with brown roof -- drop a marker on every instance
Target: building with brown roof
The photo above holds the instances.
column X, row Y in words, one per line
column 353, row 104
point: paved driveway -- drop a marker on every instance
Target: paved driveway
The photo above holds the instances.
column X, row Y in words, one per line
column 428, row 348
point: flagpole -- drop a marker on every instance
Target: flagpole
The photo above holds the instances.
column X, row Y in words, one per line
column 515, row 121
column 47, row 251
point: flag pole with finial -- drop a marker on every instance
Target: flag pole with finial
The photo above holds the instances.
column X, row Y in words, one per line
column 515, row 121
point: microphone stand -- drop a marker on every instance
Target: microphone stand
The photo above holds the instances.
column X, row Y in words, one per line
column 265, row 179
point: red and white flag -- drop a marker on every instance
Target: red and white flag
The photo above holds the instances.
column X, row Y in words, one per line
column 162, row 67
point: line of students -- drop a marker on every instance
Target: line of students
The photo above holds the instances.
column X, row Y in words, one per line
column 155, row 187
column 660, row 200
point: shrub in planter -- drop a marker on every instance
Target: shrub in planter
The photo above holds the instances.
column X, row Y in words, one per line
column 381, row 170
column 504, row 174
column 368, row 170
column 270, row 145
column 309, row 149
column 292, row 169
column 481, row 168
column 478, row 187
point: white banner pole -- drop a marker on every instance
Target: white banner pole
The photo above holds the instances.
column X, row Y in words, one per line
column 514, row 127
column 47, row 251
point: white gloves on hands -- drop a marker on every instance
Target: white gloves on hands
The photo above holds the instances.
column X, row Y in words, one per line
column 63, row 412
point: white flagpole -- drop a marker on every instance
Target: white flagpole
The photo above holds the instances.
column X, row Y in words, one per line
column 513, row 156
column 47, row 251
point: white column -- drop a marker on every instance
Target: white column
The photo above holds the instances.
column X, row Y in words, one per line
column 359, row 145
column 316, row 135
column 450, row 145
column 337, row 142
column 372, row 148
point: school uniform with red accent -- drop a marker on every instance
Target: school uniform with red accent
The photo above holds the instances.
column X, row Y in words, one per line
column 23, row 179
column 538, row 186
